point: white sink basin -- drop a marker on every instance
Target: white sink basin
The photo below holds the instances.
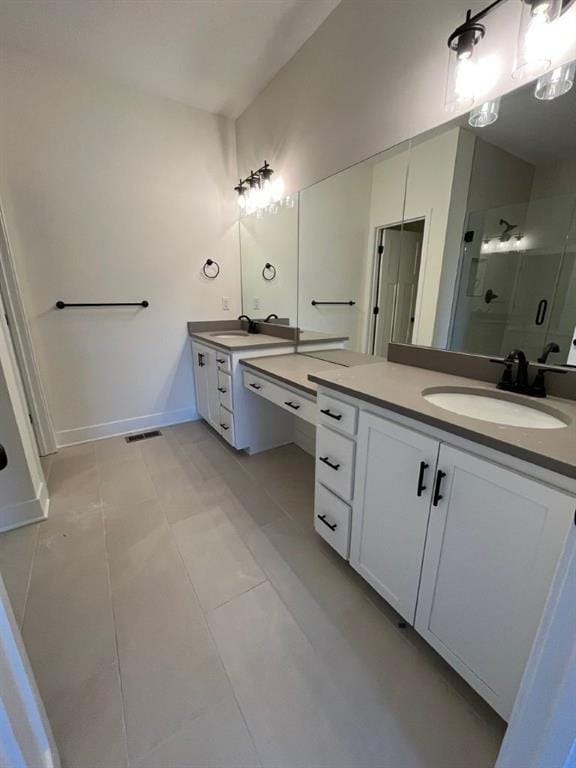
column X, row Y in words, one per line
column 498, row 409
column 229, row 335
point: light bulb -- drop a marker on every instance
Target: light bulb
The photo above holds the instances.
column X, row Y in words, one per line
column 277, row 189
column 536, row 37
column 485, row 114
column 266, row 193
column 555, row 83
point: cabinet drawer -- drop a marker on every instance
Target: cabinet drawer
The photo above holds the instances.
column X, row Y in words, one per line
column 223, row 362
column 332, row 520
column 257, row 385
column 282, row 396
column 337, row 415
column 335, row 462
column 225, row 389
column 227, row 425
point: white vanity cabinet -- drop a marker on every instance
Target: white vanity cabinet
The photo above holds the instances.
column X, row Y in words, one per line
column 394, row 479
column 206, row 379
column 462, row 546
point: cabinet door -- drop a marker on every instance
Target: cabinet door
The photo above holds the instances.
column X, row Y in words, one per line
column 199, row 358
column 494, row 539
column 395, row 471
column 211, row 375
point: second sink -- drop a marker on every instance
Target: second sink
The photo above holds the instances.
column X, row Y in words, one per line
column 496, row 408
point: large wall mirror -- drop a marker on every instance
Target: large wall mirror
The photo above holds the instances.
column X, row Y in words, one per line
column 463, row 239
column 269, row 258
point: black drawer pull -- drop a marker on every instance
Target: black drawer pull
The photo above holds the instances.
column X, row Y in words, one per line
column 256, row 386
column 328, row 412
column 323, row 518
column 221, row 389
column 326, row 460
column 200, row 360
column 220, row 360
column 437, row 495
column 224, row 426
column 421, row 487
column 291, row 405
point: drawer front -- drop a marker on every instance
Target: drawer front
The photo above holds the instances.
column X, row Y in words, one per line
column 285, row 398
column 259, row 387
column 225, row 389
column 223, row 362
column 335, row 414
column 335, row 462
column 332, row 520
column 227, row 426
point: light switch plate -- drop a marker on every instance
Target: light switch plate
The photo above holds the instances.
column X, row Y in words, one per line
column 226, row 303
column 256, row 303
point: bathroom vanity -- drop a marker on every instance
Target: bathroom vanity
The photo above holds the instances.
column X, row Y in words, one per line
column 458, row 523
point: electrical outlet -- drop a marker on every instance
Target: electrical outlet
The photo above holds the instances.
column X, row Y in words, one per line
column 225, row 303
column 256, row 303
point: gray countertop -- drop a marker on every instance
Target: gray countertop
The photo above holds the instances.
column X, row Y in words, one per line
column 346, row 357
column 399, row 388
column 252, row 341
column 291, row 369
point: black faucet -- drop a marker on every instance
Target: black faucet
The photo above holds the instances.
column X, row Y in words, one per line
column 271, row 317
column 520, row 384
column 549, row 349
column 538, row 388
column 252, row 324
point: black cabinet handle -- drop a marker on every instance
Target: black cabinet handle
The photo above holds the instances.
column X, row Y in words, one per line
column 541, row 312
column 291, row 405
column 437, row 495
column 3, row 458
column 224, row 426
column 326, row 460
column 256, row 386
column 219, row 360
column 200, row 360
column 421, row 487
column 323, row 518
column 328, row 412
column 221, row 389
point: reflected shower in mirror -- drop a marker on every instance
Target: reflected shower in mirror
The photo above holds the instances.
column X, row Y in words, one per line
column 269, row 258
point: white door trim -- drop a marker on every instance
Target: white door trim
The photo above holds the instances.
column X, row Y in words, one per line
column 22, row 341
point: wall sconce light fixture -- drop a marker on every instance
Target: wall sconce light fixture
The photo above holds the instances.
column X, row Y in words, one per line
column 258, row 192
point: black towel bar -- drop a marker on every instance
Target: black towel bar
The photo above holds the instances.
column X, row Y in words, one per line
column 64, row 305
column 335, row 303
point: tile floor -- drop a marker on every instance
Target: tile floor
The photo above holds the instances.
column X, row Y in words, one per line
column 180, row 612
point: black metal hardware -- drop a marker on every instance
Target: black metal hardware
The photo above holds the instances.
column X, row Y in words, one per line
column 3, row 458
column 333, row 303
column 211, row 263
column 65, row 305
column 221, row 389
column 272, row 316
column 269, row 268
column 421, row 487
column 255, row 179
column 326, row 460
column 323, row 518
column 328, row 412
column 201, row 362
column 437, row 495
column 550, row 349
column 489, row 296
column 541, row 312
column 255, row 386
column 295, row 406
column 252, row 324
column 402, row 625
column 538, row 388
column 507, row 382
column 143, row 436
column 469, row 236
column 224, row 426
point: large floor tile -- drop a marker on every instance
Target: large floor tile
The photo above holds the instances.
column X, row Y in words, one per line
column 16, row 555
column 71, row 469
column 219, row 563
column 217, row 738
column 189, row 432
column 68, row 625
column 259, row 506
column 294, row 711
column 169, row 666
column 126, row 481
column 88, row 723
column 182, row 501
column 115, row 449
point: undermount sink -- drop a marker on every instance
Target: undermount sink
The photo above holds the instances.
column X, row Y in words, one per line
column 229, row 335
column 495, row 407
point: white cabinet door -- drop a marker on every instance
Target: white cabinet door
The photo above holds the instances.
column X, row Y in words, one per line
column 494, row 539
column 200, row 380
column 206, row 378
column 395, row 472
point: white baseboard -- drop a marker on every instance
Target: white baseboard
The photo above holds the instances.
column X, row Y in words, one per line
column 25, row 512
column 67, row 437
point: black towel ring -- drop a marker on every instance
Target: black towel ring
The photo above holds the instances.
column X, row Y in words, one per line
column 269, row 268
column 210, row 263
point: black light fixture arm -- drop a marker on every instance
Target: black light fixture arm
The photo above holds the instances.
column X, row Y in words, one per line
column 255, row 178
column 470, row 32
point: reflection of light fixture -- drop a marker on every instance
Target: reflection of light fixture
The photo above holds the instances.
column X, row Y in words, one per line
column 555, row 83
column 536, row 37
column 485, row 114
column 241, row 189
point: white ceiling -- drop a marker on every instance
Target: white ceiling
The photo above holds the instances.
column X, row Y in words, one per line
column 216, row 55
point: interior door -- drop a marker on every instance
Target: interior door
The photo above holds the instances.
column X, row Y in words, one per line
column 407, row 287
column 395, row 471
column 493, row 542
